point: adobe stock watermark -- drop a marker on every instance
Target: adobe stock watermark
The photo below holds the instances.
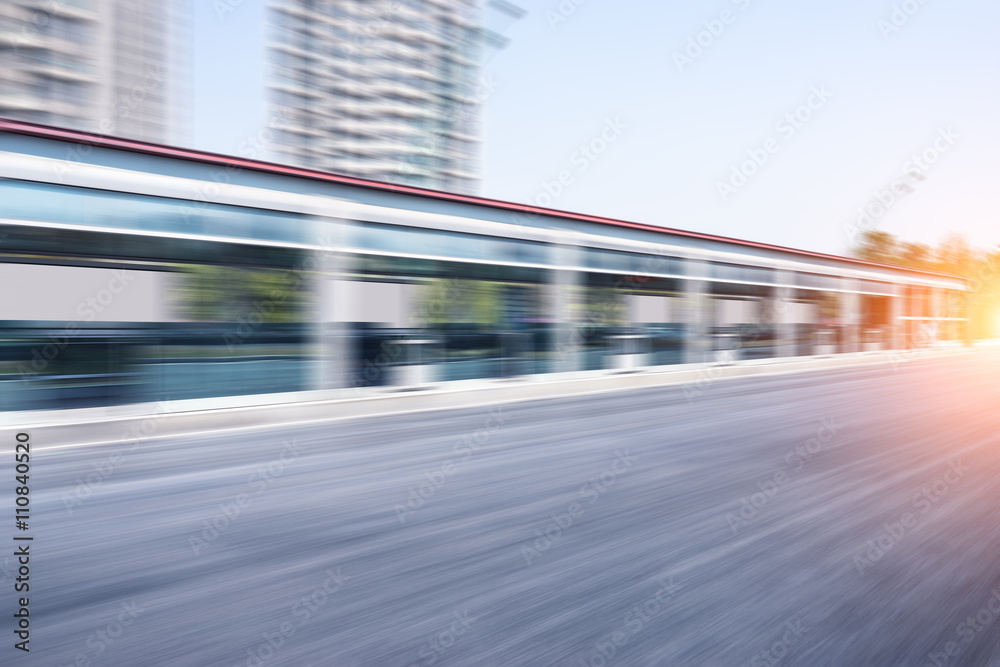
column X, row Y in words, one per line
column 967, row 631
column 778, row 650
column 787, row 127
column 259, row 481
column 581, row 160
column 638, row 618
column 105, row 637
column 923, row 502
column 914, row 171
column 301, row 612
column 439, row 644
column 250, row 148
column 137, row 433
column 296, row 284
column 39, row 22
column 486, row 86
column 224, row 7
column 125, row 105
column 88, row 309
column 258, row 312
column 592, row 489
column 714, row 29
column 986, row 272
column 772, row 311
column 795, row 460
column 374, row 368
column 470, row 444
column 899, row 17
column 466, row 111
column 605, row 311
column 926, row 333
column 363, row 35
column 431, row 310
column 436, row 307
column 708, row 375
column 562, row 12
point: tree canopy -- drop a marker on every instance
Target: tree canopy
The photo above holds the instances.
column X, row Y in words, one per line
column 953, row 256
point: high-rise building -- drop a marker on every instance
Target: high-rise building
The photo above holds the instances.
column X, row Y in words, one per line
column 108, row 66
column 382, row 89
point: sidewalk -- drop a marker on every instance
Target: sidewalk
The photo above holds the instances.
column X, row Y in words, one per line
column 145, row 421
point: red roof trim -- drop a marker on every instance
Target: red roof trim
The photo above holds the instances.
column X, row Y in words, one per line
column 103, row 141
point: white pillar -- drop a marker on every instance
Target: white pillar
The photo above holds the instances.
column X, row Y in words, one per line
column 938, row 313
column 782, row 314
column 567, row 353
column 698, row 319
column 897, row 307
column 850, row 315
column 328, row 266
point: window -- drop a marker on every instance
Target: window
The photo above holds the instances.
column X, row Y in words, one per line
column 55, row 203
column 750, row 274
column 614, row 260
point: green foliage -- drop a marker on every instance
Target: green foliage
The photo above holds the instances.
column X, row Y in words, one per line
column 448, row 301
column 229, row 294
column 603, row 307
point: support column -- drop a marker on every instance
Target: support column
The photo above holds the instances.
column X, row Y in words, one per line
column 566, row 354
column 698, row 318
column 963, row 327
column 937, row 312
column 328, row 266
column 897, row 306
column 910, row 310
column 955, row 301
column 783, row 314
column 850, row 316
column 925, row 310
column 948, row 297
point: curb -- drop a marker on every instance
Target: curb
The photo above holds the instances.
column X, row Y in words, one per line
column 147, row 421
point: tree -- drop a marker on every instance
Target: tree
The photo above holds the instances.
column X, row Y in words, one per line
column 917, row 256
column 980, row 303
column 954, row 256
column 876, row 246
column 216, row 293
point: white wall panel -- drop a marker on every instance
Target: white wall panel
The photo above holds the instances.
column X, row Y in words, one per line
column 83, row 294
column 731, row 312
column 648, row 309
column 389, row 304
column 800, row 312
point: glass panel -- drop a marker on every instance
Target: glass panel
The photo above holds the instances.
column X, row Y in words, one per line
column 627, row 262
column 44, row 202
column 753, row 274
column 817, row 281
column 412, row 240
column 453, row 320
column 94, row 365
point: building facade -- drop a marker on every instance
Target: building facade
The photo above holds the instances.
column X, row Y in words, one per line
column 387, row 90
column 107, row 66
column 139, row 278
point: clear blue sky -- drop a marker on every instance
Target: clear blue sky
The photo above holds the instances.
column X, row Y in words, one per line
column 559, row 83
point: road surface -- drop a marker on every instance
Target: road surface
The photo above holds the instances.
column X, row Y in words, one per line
column 846, row 517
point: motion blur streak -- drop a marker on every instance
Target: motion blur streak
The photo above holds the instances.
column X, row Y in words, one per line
column 317, row 570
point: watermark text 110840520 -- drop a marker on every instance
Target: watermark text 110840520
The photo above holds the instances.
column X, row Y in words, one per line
column 22, row 541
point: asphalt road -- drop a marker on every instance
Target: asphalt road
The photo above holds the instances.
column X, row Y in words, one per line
column 847, row 517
